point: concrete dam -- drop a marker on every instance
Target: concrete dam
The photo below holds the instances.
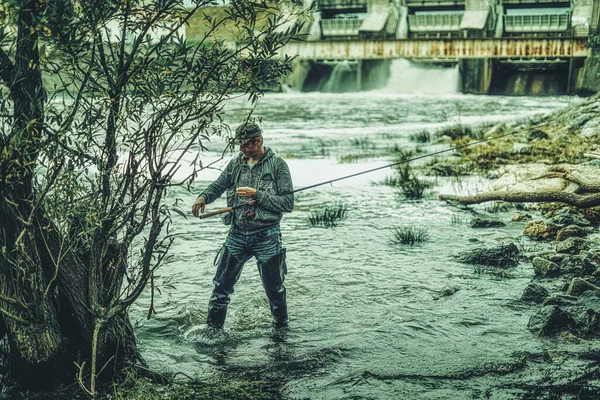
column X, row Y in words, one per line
column 511, row 47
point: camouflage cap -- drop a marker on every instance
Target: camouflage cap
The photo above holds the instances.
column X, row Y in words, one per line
column 246, row 132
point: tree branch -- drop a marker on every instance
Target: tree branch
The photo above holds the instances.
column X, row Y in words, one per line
column 577, row 200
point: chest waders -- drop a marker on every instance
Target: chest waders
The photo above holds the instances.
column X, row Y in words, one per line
column 229, row 268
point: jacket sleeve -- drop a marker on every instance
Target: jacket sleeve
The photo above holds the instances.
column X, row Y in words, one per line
column 224, row 181
column 279, row 202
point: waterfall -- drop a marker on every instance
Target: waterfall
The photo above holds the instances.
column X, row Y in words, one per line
column 341, row 78
column 406, row 77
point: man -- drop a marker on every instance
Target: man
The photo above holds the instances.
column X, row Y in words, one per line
column 256, row 174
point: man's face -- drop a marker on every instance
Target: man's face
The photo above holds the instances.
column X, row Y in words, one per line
column 250, row 148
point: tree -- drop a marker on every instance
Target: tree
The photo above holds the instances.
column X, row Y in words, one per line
column 104, row 100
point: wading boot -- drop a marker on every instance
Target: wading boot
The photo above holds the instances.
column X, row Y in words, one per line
column 272, row 274
column 228, row 272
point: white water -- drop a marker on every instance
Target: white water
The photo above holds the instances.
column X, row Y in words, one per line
column 339, row 76
column 407, row 77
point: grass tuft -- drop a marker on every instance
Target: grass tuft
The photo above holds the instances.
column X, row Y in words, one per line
column 409, row 235
column 328, row 216
column 421, row 136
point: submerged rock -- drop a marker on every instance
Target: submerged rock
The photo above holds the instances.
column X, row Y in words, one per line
column 448, row 291
column 534, row 293
column 503, row 256
column 486, row 223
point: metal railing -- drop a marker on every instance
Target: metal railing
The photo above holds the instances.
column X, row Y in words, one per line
column 434, row 22
column 537, row 22
column 340, row 26
column 342, row 4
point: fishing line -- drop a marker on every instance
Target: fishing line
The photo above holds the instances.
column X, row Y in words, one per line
column 252, row 202
column 416, row 158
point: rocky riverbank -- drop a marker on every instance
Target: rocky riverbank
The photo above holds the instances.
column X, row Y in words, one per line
column 551, row 158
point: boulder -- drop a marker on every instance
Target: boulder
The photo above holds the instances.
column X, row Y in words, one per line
column 521, row 217
column 580, row 265
column 540, row 230
column 567, row 216
column 560, row 300
column 545, row 268
column 534, row 293
column 557, row 257
column 578, row 286
column 503, row 256
column 571, row 231
column 572, row 245
column 550, row 320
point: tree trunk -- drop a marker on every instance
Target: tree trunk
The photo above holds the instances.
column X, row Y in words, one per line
column 581, row 189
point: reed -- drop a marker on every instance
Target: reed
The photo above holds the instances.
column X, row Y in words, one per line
column 421, row 136
column 328, row 216
column 409, row 235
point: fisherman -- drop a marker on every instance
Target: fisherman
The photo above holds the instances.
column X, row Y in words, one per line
column 258, row 185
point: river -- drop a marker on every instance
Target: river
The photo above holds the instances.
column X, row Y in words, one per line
column 366, row 317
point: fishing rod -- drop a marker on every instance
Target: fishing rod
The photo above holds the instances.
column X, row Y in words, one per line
column 252, row 202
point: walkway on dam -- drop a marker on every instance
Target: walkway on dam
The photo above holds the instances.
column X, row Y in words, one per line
column 443, row 49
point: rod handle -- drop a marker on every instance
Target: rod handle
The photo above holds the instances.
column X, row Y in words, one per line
column 210, row 214
column 224, row 210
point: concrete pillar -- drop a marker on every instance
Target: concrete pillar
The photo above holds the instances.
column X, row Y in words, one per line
column 359, row 75
column 589, row 80
column 476, row 75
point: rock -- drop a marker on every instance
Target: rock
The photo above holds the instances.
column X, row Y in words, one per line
column 590, row 129
column 567, row 216
column 550, row 320
column 589, row 300
column 486, row 223
column 540, row 230
column 545, row 268
column 573, row 245
column 580, row 265
column 521, row 217
column 448, row 291
column 503, row 256
column 571, row 231
column 579, row 285
column 557, row 257
column 521, row 148
column 588, row 315
column 537, row 134
column 560, row 300
column 534, row 293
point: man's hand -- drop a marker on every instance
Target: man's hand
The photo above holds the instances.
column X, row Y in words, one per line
column 246, row 192
column 199, row 205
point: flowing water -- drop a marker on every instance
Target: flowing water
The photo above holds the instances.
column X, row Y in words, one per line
column 366, row 317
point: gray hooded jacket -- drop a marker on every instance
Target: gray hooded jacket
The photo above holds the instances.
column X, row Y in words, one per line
column 271, row 178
